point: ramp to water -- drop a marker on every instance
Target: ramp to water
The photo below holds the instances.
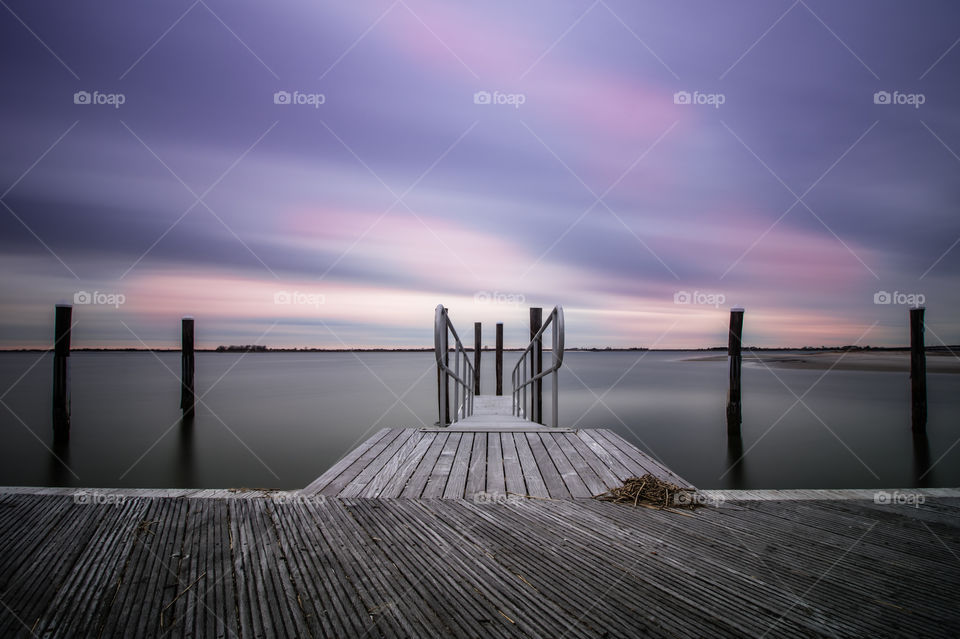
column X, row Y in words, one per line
column 492, row 413
column 496, row 458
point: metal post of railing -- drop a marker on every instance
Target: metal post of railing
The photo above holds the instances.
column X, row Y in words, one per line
column 462, row 372
column 523, row 380
column 444, row 385
column 446, row 359
column 456, row 385
column 554, row 350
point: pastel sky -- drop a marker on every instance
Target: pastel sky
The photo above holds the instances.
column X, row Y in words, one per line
column 489, row 156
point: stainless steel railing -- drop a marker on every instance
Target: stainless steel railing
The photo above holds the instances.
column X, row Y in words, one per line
column 528, row 374
column 462, row 373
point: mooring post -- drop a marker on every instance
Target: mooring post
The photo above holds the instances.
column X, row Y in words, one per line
column 187, row 367
column 536, row 364
column 918, row 371
column 61, row 370
column 476, row 357
column 734, row 413
column 499, row 358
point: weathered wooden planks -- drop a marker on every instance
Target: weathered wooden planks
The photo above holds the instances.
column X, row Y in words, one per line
column 452, row 464
column 256, row 564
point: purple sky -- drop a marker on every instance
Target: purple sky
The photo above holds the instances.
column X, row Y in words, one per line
column 783, row 186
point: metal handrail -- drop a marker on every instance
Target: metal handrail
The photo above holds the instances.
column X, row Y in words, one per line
column 522, row 379
column 461, row 374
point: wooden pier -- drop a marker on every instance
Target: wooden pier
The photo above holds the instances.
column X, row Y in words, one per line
column 484, row 526
column 282, row 564
column 483, row 529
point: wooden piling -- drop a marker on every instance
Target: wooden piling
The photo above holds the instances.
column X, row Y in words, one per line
column 734, row 344
column 61, row 370
column 187, row 367
column 536, row 365
column 477, row 336
column 443, row 386
column 918, row 371
column 499, row 358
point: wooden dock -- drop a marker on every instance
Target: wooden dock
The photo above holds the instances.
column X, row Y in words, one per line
column 261, row 564
column 458, row 463
column 482, row 529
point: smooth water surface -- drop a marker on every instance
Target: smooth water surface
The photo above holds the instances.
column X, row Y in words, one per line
column 279, row 420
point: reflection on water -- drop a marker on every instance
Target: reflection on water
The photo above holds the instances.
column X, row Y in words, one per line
column 281, row 419
column 185, row 439
column 735, row 461
column 921, row 459
column 59, row 459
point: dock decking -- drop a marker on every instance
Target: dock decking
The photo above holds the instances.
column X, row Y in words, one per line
column 256, row 564
column 474, row 457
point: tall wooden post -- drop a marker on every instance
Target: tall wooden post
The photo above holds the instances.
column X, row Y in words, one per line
column 187, row 367
column 918, row 371
column 734, row 413
column 476, row 357
column 61, row 371
column 536, row 365
column 499, row 358
column 443, row 387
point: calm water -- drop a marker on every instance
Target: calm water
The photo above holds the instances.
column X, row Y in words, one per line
column 280, row 419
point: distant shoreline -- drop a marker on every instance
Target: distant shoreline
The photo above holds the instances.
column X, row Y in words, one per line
column 720, row 350
column 891, row 360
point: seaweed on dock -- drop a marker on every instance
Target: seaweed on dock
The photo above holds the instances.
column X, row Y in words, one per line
column 650, row 491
